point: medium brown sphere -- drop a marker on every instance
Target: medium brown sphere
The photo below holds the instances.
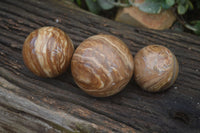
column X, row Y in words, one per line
column 47, row 51
column 102, row 65
column 156, row 68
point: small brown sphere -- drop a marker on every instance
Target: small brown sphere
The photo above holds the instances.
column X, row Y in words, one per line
column 156, row 68
column 102, row 65
column 47, row 51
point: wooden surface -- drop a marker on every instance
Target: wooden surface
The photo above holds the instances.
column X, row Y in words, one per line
column 30, row 104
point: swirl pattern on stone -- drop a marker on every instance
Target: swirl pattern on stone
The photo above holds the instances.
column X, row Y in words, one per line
column 102, row 65
column 47, row 51
column 156, row 68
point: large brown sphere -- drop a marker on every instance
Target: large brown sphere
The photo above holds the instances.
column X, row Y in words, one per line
column 47, row 51
column 156, row 68
column 102, row 65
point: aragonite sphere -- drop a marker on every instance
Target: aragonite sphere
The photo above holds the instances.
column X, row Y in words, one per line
column 102, row 65
column 47, row 51
column 156, row 68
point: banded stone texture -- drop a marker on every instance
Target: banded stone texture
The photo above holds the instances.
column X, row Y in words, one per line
column 47, row 51
column 102, row 65
column 156, row 68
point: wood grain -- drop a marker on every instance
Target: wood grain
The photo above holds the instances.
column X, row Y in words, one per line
column 32, row 104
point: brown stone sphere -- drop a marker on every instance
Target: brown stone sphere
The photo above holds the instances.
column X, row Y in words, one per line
column 47, row 51
column 102, row 65
column 156, row 68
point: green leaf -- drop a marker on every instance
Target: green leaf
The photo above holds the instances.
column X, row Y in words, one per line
column 151, row 7
column 181, row 9
column 93, row 6
column 155, row 6
column 170, row 2
column 191, row 7
column 105, row 4
column 78, row 2
column 181, row 1
column 165, row 6
column 196, row 27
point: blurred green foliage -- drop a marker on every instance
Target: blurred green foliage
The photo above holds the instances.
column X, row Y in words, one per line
column 148, row 6
column 156, row 6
